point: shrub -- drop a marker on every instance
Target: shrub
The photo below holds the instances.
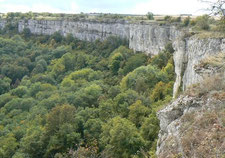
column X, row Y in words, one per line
column 176, row 19
column 26, row 32
column 150, row 16
column 202, row 22
column 186, row 21
column 221, row 25
column 57, row 37
column 167, row 18
column 212, row 83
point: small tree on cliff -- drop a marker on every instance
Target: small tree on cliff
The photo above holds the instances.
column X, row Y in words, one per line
column 217, row 8
column 150, row 16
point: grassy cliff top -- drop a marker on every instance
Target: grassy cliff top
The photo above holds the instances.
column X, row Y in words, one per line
column 131, row 18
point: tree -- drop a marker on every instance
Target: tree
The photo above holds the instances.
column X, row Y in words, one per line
column 202, row 22
column 26, row 32
column 150, row 129
column 150, row 16
column 58, row 116
column 134, row 62
column 186, row 21
column 120, row 138
column 92, row 130
column 32, row 143
column 215, row 7
column 4, row 84
column 123, row 100
column 150, row 75
column 57, row 37
column 88, row 96
column 115, row 63
column 8, row 146
column 138, row 112
column 61, row 129
column 158, row 92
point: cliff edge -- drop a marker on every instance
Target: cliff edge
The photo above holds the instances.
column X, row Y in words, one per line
column 194, row 124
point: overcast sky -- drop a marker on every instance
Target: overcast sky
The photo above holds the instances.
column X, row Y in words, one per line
column 171, row 7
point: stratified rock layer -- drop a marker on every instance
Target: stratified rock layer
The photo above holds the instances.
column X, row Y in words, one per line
column 150, row 38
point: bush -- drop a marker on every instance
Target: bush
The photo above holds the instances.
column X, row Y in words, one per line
column 202, row 22
column 177, row 19
column 150, row 16
column 213, row 83
column 57, row 37
column 186, row 21
column 26, row 32
column 221, row 25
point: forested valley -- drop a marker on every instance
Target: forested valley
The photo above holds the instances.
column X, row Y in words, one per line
column 61, row 97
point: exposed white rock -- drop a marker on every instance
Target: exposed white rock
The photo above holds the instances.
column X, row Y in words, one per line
column 150, row 38
column 179, row 120
column 188, row 54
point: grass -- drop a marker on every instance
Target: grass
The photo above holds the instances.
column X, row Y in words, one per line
column 216, row 61
column 209, row 84
column 209, row 34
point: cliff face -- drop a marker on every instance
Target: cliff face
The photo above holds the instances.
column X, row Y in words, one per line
column 150, row 38
column 188, row 53
column 193, row 125
column 83, row 30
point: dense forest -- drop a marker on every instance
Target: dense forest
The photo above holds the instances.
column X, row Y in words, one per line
column 61, row 97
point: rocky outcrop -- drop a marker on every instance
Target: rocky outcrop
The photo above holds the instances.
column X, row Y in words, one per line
column 83, row 30
column 192, row 127
column 152, row 38
column 188, row 53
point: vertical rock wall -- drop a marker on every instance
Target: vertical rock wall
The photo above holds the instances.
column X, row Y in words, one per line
column 150, row 38
column 188, row 54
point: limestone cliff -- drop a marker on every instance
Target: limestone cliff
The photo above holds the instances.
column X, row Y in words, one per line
column 193, row 125
column 150, row 38
column 146, row 37
column 188, row 53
